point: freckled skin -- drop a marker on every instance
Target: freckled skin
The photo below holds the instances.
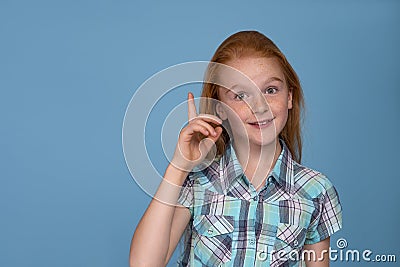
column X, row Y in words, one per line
column 266, row 74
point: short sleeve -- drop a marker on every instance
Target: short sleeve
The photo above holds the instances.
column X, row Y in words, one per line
column 328, row 216
column 186, row 195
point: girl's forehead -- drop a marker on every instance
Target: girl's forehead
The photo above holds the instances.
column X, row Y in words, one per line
column 250, row 72
column 251, row 66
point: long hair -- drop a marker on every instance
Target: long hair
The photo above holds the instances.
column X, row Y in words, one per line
column 254, row 44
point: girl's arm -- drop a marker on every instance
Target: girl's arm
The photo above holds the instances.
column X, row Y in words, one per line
column 179, row 222
column 321, row 250
column 162, row 225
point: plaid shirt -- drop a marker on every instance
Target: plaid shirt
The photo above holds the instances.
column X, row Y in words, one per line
column 234, row 225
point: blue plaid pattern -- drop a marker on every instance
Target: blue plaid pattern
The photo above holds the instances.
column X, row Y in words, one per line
column 234, row 225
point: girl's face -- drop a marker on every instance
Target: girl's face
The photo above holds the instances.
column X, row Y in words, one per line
column 256, row 109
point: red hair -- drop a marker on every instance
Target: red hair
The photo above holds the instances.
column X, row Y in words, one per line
column 254, row 44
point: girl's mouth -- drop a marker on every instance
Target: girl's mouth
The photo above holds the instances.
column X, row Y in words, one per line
column 262, row 124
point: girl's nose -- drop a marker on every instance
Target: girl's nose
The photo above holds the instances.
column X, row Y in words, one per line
column 259, row 105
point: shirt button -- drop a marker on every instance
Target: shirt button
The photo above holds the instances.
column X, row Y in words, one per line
column 210, row 231
column 262, row 255
column 252, row 241
column 255, row 198
column 270, row 179
column 295, row 243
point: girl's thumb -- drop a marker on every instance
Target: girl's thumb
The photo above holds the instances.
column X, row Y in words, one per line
column 208, row 143
column 218, row 130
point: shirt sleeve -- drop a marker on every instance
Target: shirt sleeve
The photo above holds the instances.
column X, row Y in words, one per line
column 186, row 195
column 328, row 216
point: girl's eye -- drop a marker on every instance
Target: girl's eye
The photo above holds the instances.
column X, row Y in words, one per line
column 271, row 90
column 240, row 96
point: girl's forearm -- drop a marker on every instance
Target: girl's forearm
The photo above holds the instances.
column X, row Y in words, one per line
column 151, row 239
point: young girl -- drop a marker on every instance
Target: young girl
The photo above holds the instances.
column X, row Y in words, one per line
column 254, row 204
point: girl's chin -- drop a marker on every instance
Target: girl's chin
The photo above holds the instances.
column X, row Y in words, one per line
column 265, row 141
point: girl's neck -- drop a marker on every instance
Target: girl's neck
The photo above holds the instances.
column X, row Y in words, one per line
column 257, row 160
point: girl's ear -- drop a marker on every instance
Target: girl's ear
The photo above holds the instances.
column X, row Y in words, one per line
column 290, row 102
column 221, row 111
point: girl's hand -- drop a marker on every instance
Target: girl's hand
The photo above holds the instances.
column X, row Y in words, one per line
column 196, row 139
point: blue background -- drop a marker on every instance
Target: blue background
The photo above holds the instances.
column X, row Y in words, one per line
column 68, row 70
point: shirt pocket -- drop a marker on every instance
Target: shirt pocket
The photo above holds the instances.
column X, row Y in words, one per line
column 288, row 244
column 213, row 238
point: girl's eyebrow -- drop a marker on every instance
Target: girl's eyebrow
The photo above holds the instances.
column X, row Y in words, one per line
column 272, row 79
column 227, row 90
column 234, row 88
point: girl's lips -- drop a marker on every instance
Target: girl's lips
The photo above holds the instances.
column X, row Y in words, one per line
column 262, row 124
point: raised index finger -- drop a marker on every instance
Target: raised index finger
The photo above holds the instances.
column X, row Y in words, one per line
column 192, row 113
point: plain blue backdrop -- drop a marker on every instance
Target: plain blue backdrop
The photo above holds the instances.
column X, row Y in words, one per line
column 68, row 70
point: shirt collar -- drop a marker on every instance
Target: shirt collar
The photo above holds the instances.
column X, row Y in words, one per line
column 282, row 171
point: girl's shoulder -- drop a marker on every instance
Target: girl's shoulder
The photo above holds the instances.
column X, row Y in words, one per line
column 311, row 182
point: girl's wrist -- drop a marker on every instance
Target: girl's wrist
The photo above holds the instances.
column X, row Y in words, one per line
column 175, row 175
column 179, row 162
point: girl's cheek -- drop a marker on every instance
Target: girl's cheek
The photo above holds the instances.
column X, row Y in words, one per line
column 242, row 111
column 237, row 115
column 235, row 107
